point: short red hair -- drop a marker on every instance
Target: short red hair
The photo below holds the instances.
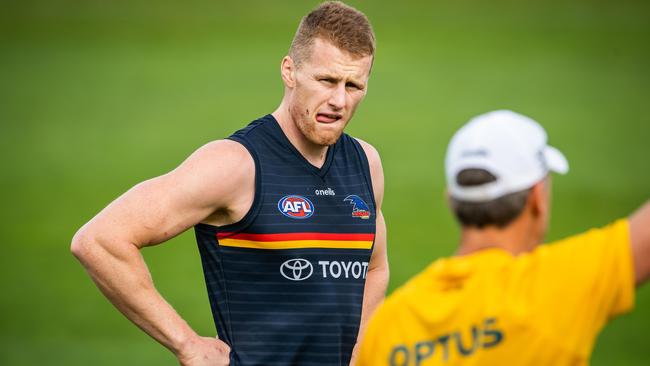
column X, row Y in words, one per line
column 344, row 26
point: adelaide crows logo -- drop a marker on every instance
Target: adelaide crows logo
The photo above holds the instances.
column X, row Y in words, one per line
column 359, row 207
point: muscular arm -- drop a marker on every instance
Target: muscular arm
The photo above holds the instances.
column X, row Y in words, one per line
column 377, row 276
column 150, row 213
column 640, row 238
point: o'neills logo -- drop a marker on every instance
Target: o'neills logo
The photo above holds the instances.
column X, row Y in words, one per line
column 297, row 269
column 325, row 192
column 296, row 207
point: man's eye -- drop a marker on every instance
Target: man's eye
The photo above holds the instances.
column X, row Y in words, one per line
column 327, row 81
column 353, row 86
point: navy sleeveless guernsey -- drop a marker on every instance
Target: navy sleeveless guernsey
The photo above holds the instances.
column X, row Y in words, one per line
column 286, row 282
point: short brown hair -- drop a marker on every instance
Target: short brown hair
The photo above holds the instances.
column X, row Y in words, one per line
column 499, row 212
column 342, row 25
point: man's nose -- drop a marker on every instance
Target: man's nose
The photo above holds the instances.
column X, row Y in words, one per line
column 337, row 98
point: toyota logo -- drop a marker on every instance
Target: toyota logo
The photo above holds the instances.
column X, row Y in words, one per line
column 297, row 269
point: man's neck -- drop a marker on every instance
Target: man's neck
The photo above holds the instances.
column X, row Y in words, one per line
column 313, row 153
column 516, row 238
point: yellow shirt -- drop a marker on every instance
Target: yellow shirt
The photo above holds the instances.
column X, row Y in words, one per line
column 492, row 308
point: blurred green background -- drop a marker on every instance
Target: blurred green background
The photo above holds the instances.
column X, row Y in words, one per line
column 96, row 96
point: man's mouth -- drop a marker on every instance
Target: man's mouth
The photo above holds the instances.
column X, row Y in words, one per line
column 328, row 117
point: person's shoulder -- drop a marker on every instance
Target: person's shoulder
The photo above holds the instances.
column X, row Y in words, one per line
column 607, row 235
column 225, row 151
column 598, row 254
column 216, row 174
column 220, row 159
column 374, row 160
column 371, row 152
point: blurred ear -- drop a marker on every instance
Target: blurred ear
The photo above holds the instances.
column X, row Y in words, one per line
column 539, row 198
column 288, row 71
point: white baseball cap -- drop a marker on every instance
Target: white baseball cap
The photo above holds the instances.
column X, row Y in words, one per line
column 510, row 146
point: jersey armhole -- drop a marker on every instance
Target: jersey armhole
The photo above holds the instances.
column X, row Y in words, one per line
column 366, row 170
column 368, row 178
column 255, row 206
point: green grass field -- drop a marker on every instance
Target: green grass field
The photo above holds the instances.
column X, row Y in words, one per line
column 97, row 96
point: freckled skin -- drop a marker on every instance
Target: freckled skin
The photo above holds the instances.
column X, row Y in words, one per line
column 331, row 82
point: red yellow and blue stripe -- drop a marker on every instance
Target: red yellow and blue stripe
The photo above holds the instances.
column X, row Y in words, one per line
column 296, row 240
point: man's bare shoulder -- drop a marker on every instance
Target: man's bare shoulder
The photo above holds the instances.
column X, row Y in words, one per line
column 225, row 151
column 220, row 157
column 374, row 161
column 219, row 172
column 371, row 153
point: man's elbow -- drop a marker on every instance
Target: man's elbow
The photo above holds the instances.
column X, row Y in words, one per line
column 93, row 246
column 84, row 245
column 79, row 245
column 379, row 275
column 381, row 267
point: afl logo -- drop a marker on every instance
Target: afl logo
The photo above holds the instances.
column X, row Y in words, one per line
column 297, row 269
column 296, row 207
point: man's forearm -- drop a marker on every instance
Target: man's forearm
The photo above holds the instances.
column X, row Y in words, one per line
column 122, row 276
column 374, row 293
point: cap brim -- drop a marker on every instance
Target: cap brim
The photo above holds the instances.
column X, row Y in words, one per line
column 555, row 160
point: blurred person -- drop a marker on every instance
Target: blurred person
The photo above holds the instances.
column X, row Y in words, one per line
column 287, row 215
column 503, row 299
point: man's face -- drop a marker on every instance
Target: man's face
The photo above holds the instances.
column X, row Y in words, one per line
column 328, row 87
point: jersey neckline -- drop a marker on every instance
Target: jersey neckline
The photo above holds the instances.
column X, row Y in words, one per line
column 329, row 156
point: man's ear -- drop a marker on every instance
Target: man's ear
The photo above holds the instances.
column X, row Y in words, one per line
column 288, row 71
column 539, row 198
